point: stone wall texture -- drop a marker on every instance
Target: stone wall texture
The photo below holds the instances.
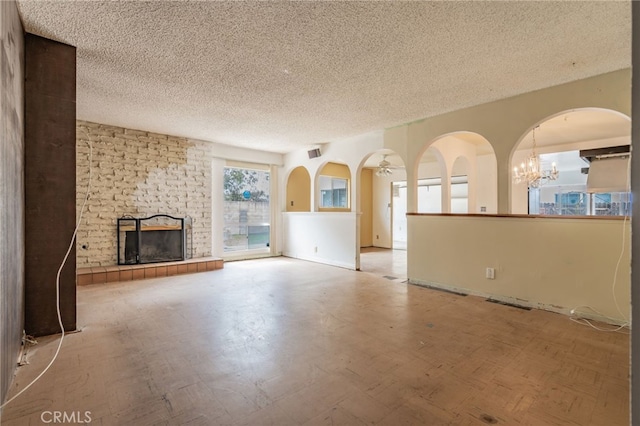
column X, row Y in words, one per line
column 137, row 173
column 11, row 191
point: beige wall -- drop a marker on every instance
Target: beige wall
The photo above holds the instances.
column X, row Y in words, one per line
column 139, row 174
column 552, row 263
column 336, row 170
column 487, row 184
column 366, row 208
column 299, row 190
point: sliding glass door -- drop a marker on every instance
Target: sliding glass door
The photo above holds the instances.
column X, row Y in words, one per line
column 247, row 214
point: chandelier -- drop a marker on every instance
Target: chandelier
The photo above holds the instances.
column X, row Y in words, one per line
column 530, row 171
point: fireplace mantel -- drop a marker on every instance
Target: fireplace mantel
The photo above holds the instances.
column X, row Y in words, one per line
column 151, row 228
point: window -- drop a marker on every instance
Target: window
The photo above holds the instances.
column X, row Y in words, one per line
column 568, row 196
column 611, row 204
column 430, row 195
column 334, row 192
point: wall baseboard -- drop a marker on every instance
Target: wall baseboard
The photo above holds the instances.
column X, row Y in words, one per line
column 519, row 302
column 324, row 261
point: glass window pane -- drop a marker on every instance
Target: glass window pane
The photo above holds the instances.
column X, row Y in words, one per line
column 568, row 194
column 247, row 215
column 333, row 192
column 460, row 197
column 326, row 198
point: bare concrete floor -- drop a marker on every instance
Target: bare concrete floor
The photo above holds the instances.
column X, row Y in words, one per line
column 286, row 342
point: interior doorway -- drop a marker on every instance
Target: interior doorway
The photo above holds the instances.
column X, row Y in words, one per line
column 383, row 222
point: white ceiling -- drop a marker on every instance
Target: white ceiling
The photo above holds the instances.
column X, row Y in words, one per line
column 278, row 76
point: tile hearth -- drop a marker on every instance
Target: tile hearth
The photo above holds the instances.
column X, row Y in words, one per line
column 108, row 274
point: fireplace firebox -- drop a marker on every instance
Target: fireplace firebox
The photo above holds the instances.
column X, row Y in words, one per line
column 153, row 239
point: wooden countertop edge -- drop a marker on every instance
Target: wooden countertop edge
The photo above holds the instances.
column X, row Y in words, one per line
column 521, row 216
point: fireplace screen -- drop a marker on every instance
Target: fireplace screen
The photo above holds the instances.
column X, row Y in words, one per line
column 158, row 238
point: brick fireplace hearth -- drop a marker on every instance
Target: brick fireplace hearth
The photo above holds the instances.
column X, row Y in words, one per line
column 108, row 274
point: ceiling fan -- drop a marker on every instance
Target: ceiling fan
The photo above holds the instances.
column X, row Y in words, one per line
column 384, row 167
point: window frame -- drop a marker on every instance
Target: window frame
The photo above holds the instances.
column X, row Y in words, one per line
column 341, row 192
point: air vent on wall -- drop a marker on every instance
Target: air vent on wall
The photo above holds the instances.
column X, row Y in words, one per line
column 313, row 153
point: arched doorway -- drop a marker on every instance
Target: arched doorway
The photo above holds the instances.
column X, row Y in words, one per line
column 382, row 190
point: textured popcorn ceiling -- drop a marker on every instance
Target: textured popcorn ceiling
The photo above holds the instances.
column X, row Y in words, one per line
column 277, row 76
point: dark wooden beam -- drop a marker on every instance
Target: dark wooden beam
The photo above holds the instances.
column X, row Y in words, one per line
column 590, row 154
column 50, row 183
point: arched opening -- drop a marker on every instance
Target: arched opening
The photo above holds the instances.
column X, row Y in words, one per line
column 577, row 144
column 334, row 188
column 457, row 173
column 299, row 190
column 383, row 207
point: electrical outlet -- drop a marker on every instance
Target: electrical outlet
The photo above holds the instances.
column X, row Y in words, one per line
column 292, row 203
column 377, row 237
column 315, row 249
column 490, row 273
